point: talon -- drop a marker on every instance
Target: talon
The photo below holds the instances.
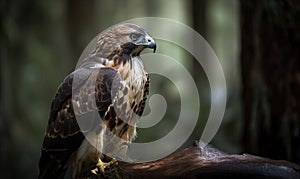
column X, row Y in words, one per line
column 113, row 162
column 102, row 165
column 95, row 171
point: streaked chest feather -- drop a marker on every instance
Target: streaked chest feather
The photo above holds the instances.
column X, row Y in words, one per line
column 128, row 103
column 133, row 74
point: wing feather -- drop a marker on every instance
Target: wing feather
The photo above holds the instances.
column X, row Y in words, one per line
column 63, row 136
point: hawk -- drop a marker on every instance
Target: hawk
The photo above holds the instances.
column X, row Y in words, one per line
column 111, row 84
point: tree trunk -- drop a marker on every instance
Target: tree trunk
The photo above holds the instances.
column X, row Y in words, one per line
column 271, row 78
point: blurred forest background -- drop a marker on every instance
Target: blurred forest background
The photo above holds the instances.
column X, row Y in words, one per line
column 257, row 43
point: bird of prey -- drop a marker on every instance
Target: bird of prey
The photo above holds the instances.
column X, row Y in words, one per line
column 111, row 84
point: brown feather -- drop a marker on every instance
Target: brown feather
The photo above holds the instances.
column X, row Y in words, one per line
column 120, row 86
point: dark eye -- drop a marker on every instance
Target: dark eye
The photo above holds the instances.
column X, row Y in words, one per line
column 134, row 37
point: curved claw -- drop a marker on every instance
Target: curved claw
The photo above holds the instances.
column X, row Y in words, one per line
column 100, row 166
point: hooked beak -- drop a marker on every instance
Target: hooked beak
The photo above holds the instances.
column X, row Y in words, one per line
column 148, row 42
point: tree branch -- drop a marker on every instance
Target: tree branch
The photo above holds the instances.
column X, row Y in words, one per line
column 208, row 162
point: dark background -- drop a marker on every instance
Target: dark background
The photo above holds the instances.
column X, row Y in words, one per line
column 257, row 43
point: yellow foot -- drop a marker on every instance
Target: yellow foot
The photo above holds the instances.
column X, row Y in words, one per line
column 100, row 166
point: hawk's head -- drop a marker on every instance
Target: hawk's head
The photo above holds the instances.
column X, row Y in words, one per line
column 130, row 38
